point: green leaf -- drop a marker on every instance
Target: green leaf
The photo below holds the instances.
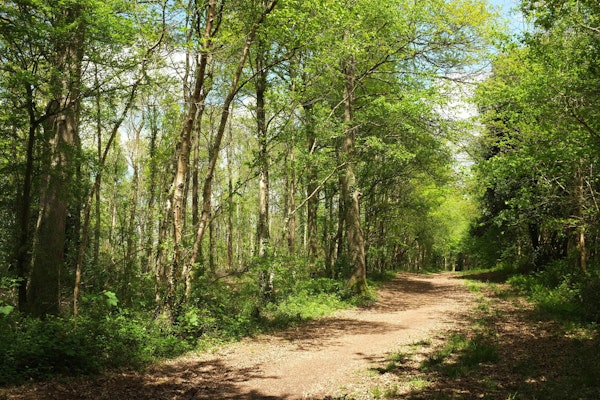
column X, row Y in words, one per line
column 6, row 310
column 110, row 298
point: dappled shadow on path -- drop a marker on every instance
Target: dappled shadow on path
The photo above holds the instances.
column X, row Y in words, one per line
column 403, row 293
column 410, row 291
column 537, row 359
column 493, row 276
column 186, row 380
column 325, row 331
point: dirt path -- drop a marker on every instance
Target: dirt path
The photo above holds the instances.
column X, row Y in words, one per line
column 314, row 360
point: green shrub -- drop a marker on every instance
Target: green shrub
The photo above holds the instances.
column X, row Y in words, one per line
column 304, row 306
column 563, row 290
column 37, row 349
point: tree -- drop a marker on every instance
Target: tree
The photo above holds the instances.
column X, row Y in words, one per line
column 62, row 130
column 536, row 102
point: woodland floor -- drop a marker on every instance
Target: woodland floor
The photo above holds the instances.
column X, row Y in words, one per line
column 383, row 351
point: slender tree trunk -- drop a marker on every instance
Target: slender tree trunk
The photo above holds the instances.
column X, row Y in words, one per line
column 230, row 205
column 114, row 201
column 262, row 228
column 212, row 245
column 150, row 226
column 329, row 237
column 312, row 207
column 341, row 225
column 98, row 214
column 350, row 191
column 579, row 214
column 291, row 199
column 196, row 172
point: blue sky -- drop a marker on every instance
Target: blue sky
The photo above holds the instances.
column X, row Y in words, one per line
column 508, row 10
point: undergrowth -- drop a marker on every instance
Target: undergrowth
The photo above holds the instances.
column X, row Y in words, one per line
column 563, row 292
column 107, row 336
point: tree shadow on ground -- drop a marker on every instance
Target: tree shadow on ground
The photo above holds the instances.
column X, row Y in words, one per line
column 537, row 358
column 191, row 380
column 325, row 332
column 492, row 276
column 411, row 291
column 405, row 292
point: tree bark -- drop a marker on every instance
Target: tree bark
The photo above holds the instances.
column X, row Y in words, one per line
column 262, row 227
column 349, row 189
column 24, row 209
column 328, row 237
column 290, row 228
column 579, row 214
column 312, row 206
column 230, row 205
column 62, row 127
column 149, row 226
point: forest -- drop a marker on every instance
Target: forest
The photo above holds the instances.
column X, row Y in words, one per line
column 181, row 173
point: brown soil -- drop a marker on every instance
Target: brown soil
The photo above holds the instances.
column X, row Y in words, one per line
column 318, row 359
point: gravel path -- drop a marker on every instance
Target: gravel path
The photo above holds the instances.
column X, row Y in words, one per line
column 311, row 361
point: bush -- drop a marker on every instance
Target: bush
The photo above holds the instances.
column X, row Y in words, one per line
column 34, row 349
column 562, row 290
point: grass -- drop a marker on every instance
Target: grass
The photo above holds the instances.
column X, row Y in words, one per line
column 394, row 361
column 461, row 354
column 418, row 383
column 422, row 343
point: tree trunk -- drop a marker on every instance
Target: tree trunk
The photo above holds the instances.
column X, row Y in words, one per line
column 291, row 199
column 62, row 127
column 97, row 211
column 349, row 189
column 579, row 214
column 132, row 234
column 341, row 225
column 196, row 170
column 149, row 226
column 312, row 207
column 24, row 209
column 262, row 227
column 230, row 205
column 329, row 242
